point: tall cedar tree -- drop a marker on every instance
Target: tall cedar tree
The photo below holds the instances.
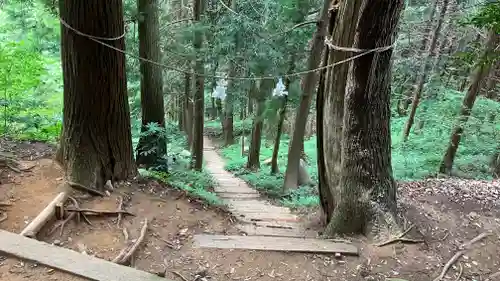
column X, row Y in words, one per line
column 152, row 145
column 366, row 191
column 480, row 73
column 425, row 69
column 199, row 96
column 96, row 142
column 308, row 87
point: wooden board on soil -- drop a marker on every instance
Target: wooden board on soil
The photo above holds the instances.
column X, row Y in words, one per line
column 280, row 232
column 69, row 261
column 269, row 243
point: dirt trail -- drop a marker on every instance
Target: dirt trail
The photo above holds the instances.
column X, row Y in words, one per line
column 175, row 218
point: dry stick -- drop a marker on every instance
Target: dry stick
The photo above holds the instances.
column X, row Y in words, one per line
column 137, row 243
column 401, row 238
column 125, row 233
column 5, row 204
column 455, row 257
column 120, row 208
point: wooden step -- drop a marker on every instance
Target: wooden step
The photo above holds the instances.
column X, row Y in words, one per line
column 269, row 243
column 280, row 232
column 69, row 261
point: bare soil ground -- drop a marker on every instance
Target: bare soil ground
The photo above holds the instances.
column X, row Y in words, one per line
column 444, row 222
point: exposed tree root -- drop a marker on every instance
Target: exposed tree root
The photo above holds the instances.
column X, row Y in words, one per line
column 120, row 208
column 3, row 217
column 82, row 187
column 4, row 204
column 180, row 275
column 91, row 212
column 127, row 253
column 8, row 160
column 62, row 224
column 459, row 254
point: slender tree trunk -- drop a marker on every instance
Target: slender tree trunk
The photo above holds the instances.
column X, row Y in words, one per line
column 199, row 96
column 279, row 132
column 96, row 143
column 214, row 112
column 424, row 71
column 220, row 113
column 309, row 84
column 367, row 188
column 253, row 162
column 326, row 195
column 151, row 146
column 188, row 109
column 250, row 106
column 481, row 71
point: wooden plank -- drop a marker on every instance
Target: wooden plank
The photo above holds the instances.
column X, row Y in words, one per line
column 269, row 231
column 272, row 223
column 238, row 196
column 254, row 217
column 69, row 261
column 269, row 243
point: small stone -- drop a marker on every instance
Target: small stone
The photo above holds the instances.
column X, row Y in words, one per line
column 57, row 242
column 338, row 256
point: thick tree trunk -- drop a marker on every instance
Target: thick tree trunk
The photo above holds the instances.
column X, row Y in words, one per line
column 424, row 71
column 480, row 73
column 333, row 105
column 326, row 195
column 199, row 96
column 151, row 146
column 366, row 186
column 308, row 86
column 253, row 162
column 220, row 113
column 282, row 115
column 96, row 143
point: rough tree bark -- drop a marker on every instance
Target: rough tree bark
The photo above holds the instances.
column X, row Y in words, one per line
column 367, row 192
column 96, row 143
column 308, row 87
column 151, row 146
column 333, row 105
column 481, row 71
column 323, row 187
column 188, row 108
column 263, row 91
column 199, row 95
column 425, row 69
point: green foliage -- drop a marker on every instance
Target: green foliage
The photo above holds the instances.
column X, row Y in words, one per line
column 415, row 159
column 487, row 17
column 196, row 184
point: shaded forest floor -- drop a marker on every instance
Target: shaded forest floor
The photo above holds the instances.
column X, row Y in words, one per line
column 444, row 215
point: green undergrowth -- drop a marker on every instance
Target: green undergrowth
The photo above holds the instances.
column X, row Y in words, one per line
column 195, row 184
column 240, row 127
column 415, row 159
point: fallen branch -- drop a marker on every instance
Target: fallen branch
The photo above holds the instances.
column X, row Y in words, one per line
column 125, row 233
column 461, row 272
column 460, row 253
column 82, row 187
column 126, row 257
column 122, row 253
column 92, row 212
column 401, row 239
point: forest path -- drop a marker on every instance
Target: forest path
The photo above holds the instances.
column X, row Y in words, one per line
column 256, row 215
